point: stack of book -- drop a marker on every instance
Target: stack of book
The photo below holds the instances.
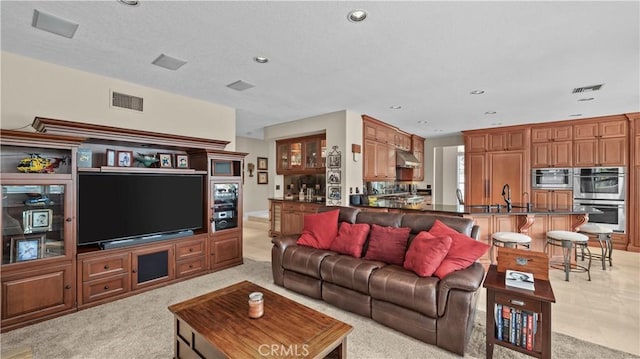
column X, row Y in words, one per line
column 515, row 326
column 523, row 280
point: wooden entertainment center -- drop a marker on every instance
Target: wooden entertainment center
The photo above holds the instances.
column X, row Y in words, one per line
column 45, row 273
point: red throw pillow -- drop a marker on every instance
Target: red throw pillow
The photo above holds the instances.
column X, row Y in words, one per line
column 463, row 252
column 426, row 252
column 387, row 244
column 350, row 239
column 320, row 229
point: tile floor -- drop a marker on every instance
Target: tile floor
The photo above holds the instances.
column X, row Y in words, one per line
column 605, row 310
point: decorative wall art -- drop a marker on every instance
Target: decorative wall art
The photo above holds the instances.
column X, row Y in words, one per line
column 334, row 190
column 263, row 164
column 263, row 178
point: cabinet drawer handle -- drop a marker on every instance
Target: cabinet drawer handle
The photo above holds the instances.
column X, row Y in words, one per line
column 190, row 249
column 67, row 286
column 516, row 302
column 190, row 266
column 106, row 287
column 106, row 266
column 68, row 219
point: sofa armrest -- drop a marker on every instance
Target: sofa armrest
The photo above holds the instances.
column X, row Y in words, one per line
column 468, row 280
column 475, row 232
column 280, row 244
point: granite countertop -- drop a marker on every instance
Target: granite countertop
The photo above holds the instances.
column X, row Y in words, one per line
column 517, row 209
column 296, row 199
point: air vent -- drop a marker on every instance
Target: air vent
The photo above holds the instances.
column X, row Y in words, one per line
column 587, row 88
column 240, row 85
column 126, row 101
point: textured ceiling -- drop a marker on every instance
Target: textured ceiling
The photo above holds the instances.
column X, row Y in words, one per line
column 424, row 56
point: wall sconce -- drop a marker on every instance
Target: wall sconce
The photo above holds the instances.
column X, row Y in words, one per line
column 355, row 149
column 251, row 167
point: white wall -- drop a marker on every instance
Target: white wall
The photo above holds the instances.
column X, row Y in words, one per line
column 433, row 162
column 254, row 195
column 32, row 88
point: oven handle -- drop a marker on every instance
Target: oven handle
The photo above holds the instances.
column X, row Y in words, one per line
column 608, row 205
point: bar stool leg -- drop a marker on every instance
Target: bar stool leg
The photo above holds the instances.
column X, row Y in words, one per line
column 589, row 265
column 604, row 248
column 610, row 248
column 566, row 254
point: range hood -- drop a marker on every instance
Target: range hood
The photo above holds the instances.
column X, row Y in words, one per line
column 406, row 159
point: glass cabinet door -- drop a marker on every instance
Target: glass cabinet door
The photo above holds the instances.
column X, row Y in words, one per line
column 312, row 154
column 296, row 155
column 33, row 222
column 225, row 205
column 283, row 156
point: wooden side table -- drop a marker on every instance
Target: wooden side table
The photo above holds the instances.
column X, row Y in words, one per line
column 538, row 301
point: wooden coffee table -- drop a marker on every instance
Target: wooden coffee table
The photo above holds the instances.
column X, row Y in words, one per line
column 217, row 325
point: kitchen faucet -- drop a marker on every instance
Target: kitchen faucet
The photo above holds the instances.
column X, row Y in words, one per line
column 506, row 191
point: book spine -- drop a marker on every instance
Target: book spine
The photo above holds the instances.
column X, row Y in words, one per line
column 530, row 332
column 512, row 327
column 523, row 331
column 498, row 316
column 505, row 323
column 518, row 326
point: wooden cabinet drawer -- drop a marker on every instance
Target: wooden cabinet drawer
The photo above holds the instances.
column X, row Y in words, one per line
column 104, row 288
column 519, row 302
column 190, row 266
column 105, row 266
column 300, row 207
column 190, row 249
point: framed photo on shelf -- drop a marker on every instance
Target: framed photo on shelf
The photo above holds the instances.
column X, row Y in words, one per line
column 111, row 157
column 334, row 193
column 333, row 176
column 27, row 247
column 334, row 161
column 125, row 158
column 182, row 161
column 263, row 163
column 37, row 220
column 263, row 177
column 166, row 160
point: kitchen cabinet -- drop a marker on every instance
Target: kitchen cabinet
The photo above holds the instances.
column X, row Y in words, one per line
column 402, row 141
column 553, row 199
column 379, row 161
column 634, row 183
column 552, row 146
column 515, row 139
column 287, row 217
column 226, row 249
column 600, row 143
column 417, row 144
column 475, row 143
column 487, row 173
column 302, row 155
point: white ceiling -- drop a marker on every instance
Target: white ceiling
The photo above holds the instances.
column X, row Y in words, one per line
column 424, row 56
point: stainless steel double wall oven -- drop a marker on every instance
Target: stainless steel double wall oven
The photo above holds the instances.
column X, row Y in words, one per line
column 602, row 188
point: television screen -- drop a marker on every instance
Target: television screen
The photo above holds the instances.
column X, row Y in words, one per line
column 114, row 206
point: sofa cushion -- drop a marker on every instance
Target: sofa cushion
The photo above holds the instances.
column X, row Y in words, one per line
column 387, row 244
column 350, row 239
column 349, row 272
column 463, row 252
column 304, row 260
column 320, row 229
column 425, row 253
column 399, row 286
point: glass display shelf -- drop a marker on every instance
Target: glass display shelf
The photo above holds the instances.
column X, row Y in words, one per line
column 32, row 222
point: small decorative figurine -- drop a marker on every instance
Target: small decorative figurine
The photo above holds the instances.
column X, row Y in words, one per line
column 36, row 164
column 146, row 160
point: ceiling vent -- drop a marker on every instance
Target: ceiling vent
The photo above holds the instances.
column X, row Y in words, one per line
column 587, row 88
column 128, row 102
column 240, row 85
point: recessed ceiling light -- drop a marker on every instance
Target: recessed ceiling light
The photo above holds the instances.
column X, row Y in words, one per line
column 477, row 92
column 357, row 15
column 168, row 62
column 490, row 113
column 422, row 122
column 576, row 115
column 396, row 107
column 261, row 59
column 586, row 99
column 129, row 2
column 53, row 24
column 496, row 124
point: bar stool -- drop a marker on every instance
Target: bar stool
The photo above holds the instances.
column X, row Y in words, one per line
column 568, row 241
column 508, row 239
column 603, row 236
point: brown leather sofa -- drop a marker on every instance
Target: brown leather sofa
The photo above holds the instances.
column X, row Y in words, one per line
column 439, row 312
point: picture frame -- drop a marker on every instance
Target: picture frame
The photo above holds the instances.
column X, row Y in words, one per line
column 263, row 177
column 334, row 161
column 111, row 157
column 124, row 158
column 27, row 248
column 166, row 160
column 333, row 176
column 182, row 161
column 334, row 193
column 263, row 163
column 37, row 220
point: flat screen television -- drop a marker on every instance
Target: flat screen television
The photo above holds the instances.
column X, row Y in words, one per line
column 117, row 206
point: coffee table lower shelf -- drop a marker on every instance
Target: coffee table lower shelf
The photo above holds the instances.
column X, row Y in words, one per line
column 217, row 325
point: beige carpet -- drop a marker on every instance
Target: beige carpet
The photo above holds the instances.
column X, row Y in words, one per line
column 141, row 327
